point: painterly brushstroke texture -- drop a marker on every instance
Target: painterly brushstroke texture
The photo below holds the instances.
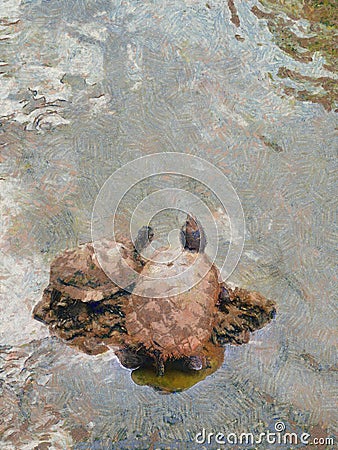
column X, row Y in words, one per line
column 87, row 86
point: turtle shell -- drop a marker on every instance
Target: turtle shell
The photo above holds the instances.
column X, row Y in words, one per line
column 81, row 303
column 174, row 326
column 77, row 273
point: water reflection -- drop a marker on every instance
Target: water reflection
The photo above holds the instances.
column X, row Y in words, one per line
column 175, row 378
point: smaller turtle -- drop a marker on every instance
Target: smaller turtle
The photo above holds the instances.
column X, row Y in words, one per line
column 164, row 325
column 81, row 303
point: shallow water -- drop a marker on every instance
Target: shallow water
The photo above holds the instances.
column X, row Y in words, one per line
column 89, row 86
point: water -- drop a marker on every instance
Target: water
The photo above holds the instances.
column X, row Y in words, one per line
column 89, row 86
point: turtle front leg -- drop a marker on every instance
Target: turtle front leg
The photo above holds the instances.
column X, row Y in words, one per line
column 240, row 312
column 159, row 363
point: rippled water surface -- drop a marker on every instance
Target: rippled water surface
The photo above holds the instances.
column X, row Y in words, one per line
column 87, row 86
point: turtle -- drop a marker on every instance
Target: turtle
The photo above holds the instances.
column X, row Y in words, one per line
column 163, row 325
column 81, row 303
column 159, row 320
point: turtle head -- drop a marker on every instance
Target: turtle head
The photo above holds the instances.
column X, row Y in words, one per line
column 144, row 236
column 192, row 235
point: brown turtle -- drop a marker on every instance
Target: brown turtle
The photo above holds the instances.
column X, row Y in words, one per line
column 81, row 303
column 164, row 325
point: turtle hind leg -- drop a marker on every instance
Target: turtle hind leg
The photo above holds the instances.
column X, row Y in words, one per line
column 196, row 362
column 240, row 312
column 129, row 358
